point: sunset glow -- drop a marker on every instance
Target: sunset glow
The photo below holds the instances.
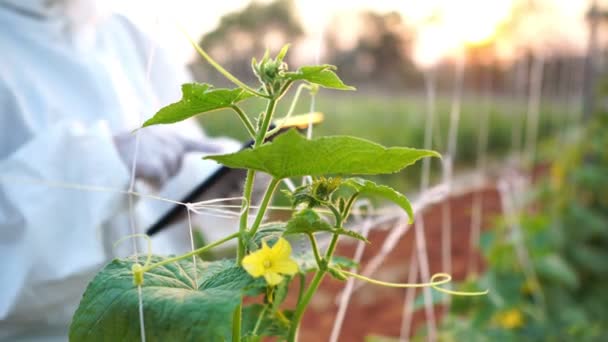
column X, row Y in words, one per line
column 442, row 27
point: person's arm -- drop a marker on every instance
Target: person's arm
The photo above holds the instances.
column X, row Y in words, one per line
column 48, row 228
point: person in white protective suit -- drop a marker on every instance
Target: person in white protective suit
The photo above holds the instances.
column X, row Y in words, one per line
column 74, row 85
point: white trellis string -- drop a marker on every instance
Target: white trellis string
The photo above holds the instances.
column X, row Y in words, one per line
column 536, row 83
column 420, row 239
column 313, row 95
column 575, row 81
column 482, row 144
column 152, row 51
column 448, row 167
column 192, row 246
column 519, row 92
column 408, row 301
column 346, row 294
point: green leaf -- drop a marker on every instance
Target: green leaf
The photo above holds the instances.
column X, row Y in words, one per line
column 196, row 99
column 292, row 155
column 307, row 221
column 322, row 75
column 367, row 187
column 175, row 309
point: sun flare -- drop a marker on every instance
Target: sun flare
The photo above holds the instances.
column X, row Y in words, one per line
column 448, row 26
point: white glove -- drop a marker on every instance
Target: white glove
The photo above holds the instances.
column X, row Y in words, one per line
column 160, row 152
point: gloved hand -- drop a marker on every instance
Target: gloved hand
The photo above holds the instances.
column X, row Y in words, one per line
column 160, row 152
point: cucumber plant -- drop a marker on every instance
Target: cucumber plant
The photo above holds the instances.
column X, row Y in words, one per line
column 188, row 300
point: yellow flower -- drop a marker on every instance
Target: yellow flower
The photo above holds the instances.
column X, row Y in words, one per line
column 510, row 319
column 271, row 262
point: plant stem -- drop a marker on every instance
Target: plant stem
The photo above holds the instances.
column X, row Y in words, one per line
column 264, row 205
column 245, row 120
column 194, row 252
column 332, row 247
column 266, row 123
column 302, row 304
column 222, row 71
column 314, row 284
column 292, row 108
column 259, row 139
column 240, row 252
column 236, row 322
column 315, row 249
column 259, row 321
column 302, row 286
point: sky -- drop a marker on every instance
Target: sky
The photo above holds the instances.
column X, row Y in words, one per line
column 442, row 26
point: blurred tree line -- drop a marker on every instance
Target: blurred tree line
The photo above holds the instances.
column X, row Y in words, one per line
column 379, row 58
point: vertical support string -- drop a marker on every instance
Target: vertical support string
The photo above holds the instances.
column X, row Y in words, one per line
column 482, row 147
column 192, row 247
column 534, row 99
column 519, row 92
column 448, row 167
column 313, row 96
column 408, row 303
column 132, row 218
column 420, row 247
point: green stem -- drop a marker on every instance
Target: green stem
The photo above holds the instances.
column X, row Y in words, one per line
column 302, row 304
column 259, row 139
column 264, row 205
column 334, row 211
column 240, row 252
column 315, row 249
column 194, row 252
column 259, row 321
column 292, row 108
column 245, row 120
column 221, row 69
column 266, row 123
column 302, row 287
column 314, row 285
column 332, row 247
column 283, row 90
column 349, row 206
column 236, row 322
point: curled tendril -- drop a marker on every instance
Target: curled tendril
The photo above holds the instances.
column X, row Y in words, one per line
column 137, row 268
column 436, row 280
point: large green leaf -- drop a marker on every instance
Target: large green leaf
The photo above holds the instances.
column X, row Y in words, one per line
column 197, row 99
column 322, row 75
column 367, row 187
column 292, row 155
column 174, row 308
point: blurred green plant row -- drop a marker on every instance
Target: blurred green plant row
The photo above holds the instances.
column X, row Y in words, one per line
column 399, row 121
column 564, row 228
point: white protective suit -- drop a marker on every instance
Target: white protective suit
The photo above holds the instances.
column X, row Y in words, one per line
column 68, row 85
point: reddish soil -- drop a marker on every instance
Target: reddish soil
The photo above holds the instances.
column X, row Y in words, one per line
column 376, row 310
